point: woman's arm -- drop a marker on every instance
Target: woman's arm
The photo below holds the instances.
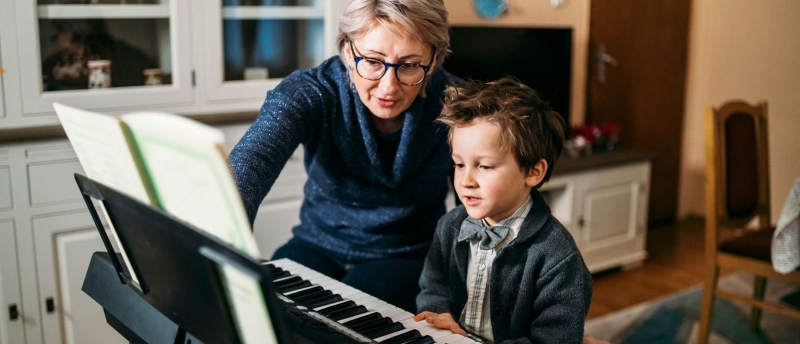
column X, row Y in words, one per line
column 288, row 116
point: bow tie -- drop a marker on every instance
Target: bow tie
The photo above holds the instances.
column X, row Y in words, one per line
column 489, row 236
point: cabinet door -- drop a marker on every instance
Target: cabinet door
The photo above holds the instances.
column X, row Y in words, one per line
column 612, row 216
column 11, row 317
column 103, row 54
column 251, row 45
column 64, row 245
column 274, row 223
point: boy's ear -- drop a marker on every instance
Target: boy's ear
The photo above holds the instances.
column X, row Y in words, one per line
column 536, row 173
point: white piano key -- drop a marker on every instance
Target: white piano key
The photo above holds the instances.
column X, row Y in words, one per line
column 400, row 316
column 439, row 333
column 451, row 338
column 383, row 308
column 292, row 292
column 364, row 299
column 393, row 334
column 465, row 340
column 410, row 323
column 374, row 305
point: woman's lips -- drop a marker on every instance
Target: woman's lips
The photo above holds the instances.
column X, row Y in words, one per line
column 386, row 102
column 471, row 201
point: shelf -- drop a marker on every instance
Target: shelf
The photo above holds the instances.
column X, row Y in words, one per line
column 273, row 12
column 103, row 11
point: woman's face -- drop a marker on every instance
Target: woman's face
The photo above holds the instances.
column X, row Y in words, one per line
column 387, row 98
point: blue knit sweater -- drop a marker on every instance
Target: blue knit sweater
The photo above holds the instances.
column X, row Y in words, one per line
column 357, row 203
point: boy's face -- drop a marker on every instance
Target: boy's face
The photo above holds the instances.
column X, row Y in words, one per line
column 488, row 181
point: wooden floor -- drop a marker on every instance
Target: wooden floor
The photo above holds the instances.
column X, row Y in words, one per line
column 674, row 263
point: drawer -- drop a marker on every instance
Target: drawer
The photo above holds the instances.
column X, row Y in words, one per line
column 51, row 178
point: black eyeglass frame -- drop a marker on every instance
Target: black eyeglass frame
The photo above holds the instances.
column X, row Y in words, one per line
column 396, row 66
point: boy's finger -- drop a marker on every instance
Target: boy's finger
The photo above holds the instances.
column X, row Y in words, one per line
column 421, row 316
column 457, row 330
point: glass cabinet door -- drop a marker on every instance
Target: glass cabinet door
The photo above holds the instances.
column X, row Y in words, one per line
column 253, row 44
column 102, row 54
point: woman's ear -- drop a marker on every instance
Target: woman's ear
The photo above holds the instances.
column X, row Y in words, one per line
column 536, row 173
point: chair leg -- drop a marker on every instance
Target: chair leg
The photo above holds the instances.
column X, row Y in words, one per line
column 759, row 288
column 707, row 306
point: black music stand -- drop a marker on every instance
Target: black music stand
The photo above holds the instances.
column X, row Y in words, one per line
column 177, row 267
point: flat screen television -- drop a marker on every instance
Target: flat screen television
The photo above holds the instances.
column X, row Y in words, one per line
column 541, row 58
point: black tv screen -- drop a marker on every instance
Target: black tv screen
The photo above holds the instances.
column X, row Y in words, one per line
column 541, row 58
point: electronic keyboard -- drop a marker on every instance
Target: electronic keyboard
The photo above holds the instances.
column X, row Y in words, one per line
column 349, row 311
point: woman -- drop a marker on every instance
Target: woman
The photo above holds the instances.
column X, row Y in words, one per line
column 377, row 163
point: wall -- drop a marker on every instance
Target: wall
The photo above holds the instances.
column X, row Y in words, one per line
column 750, row 50
column 541, row 13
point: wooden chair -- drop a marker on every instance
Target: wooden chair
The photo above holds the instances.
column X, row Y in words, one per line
column 737, row 192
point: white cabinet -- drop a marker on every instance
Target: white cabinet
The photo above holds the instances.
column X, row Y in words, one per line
column 214, row 57
column 605, row 210
column 64, row 245
column 11, row 315
column 257, row 43
column 58, row 39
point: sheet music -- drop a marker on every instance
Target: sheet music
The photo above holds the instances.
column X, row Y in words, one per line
column 248, row 307
column 186, row 164
column 102, row 149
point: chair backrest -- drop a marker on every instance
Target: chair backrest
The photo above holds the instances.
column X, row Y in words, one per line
column 737, row 164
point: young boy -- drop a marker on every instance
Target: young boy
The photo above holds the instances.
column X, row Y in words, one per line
column 501, row 267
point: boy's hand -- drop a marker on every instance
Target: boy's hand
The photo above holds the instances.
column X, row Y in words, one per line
column 444, row 320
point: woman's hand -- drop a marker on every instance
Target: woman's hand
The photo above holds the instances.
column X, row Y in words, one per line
column 444, row 320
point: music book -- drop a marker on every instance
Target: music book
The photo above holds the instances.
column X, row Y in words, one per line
column 179, row 166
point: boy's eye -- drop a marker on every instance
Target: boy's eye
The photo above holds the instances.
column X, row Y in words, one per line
column 458, row 165
column 486, row 167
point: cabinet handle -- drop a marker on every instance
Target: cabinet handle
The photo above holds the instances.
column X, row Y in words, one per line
column 13, row 312
column 50, row 305
column 580, row 222
column 2, row 70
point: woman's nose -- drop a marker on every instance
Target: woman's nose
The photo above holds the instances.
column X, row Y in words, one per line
column 388, row 83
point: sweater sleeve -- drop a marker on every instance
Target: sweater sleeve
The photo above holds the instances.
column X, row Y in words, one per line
column 433, row 281
column 287, row 117
column 565, row 292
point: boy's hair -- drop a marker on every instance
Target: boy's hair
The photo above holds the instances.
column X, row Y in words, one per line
column 529, row 127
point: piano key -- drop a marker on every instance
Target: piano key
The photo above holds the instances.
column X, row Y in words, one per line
column 400, row 316
column 439, row 333
column 354, row 322
column 303, row 292
column 391, row 335
column 335, row 307
column 384, row 331
column 348, row 313
column 466, row 340
column 403, row 338
column 324, row 301
column 423, row 340
column 371, row 324
column 452, row 338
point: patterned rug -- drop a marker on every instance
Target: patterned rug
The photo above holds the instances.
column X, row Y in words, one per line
column 675, row 318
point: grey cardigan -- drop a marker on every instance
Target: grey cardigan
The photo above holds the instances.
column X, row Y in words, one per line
column 539, row 288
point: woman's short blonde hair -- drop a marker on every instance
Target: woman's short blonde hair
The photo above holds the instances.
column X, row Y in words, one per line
column 421, row 20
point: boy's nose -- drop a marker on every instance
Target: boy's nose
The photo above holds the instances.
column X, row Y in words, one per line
column 467, row 181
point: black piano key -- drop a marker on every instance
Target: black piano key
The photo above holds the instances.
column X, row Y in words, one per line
column 311, row 296
column 384, row 331
column 287, row 280
column 422, row 340
column 403, row 338
column 336, row 307
column 269, row 266
column 280, row 274
column 293, row 286
column 346, row 314
column 309, row 291
column 321, row 301
column 373, row 325
column 363, row 320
